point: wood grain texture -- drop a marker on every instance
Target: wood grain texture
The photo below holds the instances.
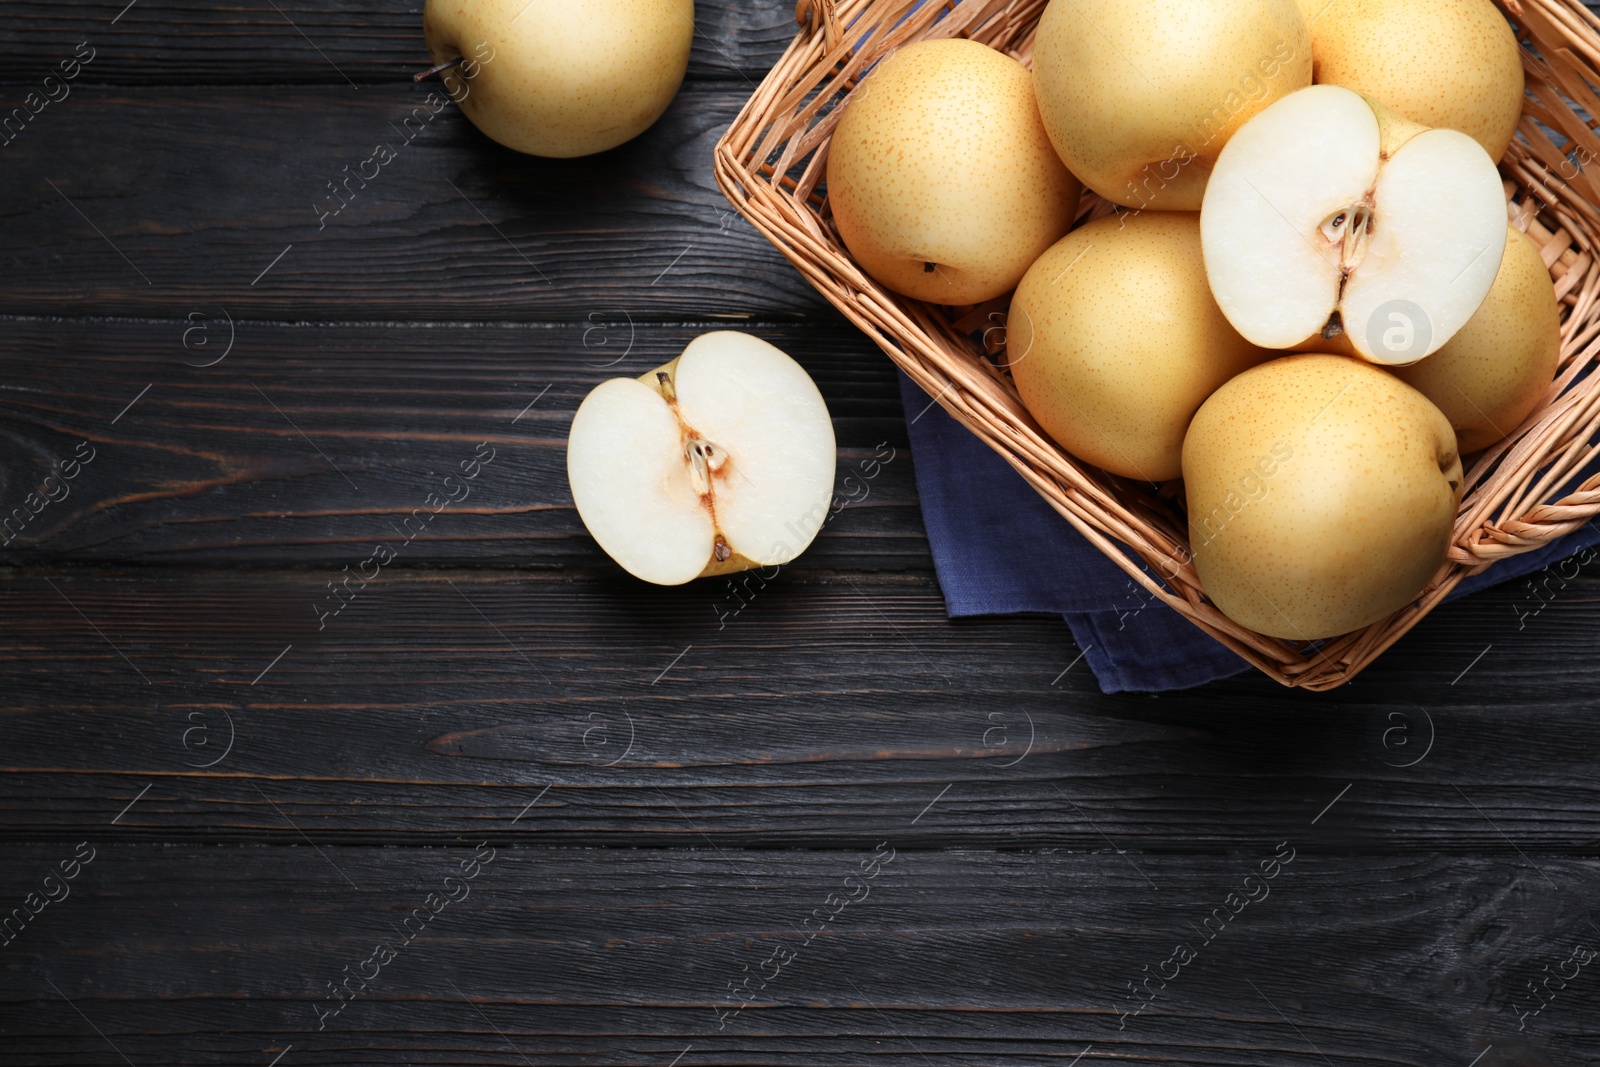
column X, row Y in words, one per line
column 832, row 705
column 580, row 956
column 335, row 43
column 453, row 228
column 269, row 798
column 248, row 460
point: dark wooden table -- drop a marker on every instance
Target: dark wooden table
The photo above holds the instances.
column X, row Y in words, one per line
column 508, row 805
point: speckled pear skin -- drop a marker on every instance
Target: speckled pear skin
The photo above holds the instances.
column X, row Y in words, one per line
column 940, row 177
column 1140, row 96
column 1489, row 376
column 1114, row 341
column 562, row 78
column 1321, row 494
column 1443, row 63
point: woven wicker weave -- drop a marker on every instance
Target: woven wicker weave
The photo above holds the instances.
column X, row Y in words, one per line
column 773, row 158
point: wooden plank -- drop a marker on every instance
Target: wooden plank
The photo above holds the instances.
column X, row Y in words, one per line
column 578, row 956
column 834, row 704
column 247, row 460
column 167, row 694
column 230, row 197
column 307, row 42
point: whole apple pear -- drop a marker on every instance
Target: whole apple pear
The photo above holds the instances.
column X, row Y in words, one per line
column 1444, row 63
column 1139, row 96
column 1114, row 341
column 561, row 78
column 1321, row 491
column 1495, row 369
column 940, row 176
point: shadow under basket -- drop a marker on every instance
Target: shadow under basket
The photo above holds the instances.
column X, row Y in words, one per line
column 773, row 158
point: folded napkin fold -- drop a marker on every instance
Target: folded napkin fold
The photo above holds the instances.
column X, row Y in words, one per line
column 999, row 549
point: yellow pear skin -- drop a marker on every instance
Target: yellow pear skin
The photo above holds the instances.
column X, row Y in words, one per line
column 1444, row 63
column 1114, row 341
column 1489, row 376
column 561, row 78
column 1139, row 96
column 940, row 176
column 1321, row 493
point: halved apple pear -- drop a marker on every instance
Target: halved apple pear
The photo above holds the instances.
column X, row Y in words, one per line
column 1331, row 223
column 719, row 461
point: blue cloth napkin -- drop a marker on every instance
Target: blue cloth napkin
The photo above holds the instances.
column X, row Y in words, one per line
column 973, row 502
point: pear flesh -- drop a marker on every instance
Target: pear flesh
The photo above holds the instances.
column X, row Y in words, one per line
column 719, row 461
column 1333, row 224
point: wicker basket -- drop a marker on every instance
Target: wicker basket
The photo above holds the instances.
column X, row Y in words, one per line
column 773, row 158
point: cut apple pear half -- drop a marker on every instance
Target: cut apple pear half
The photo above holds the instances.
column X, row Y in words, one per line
column 716, row 462
column 1331, row 223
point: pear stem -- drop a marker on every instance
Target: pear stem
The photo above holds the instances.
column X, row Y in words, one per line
column 668, row 390
column 440, row 69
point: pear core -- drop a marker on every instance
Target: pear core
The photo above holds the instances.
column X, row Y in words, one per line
column 705, row 463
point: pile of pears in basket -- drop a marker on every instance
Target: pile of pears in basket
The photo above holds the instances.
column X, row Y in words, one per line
column 1309, row 302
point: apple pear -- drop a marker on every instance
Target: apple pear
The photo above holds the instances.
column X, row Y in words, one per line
column 1494, row 370
column 1452, row 64
column 1114, row 341
column 1321, row 492
column 1139, row 96
column 719, row 461
column 561, row 78
column 941, row 179
column 1333, row 224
